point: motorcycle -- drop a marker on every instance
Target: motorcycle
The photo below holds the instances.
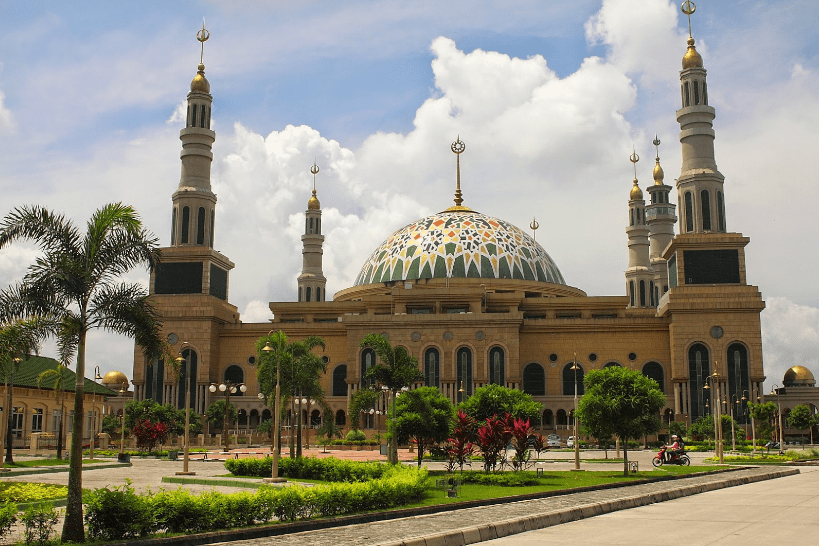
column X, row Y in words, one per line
column 680, row 459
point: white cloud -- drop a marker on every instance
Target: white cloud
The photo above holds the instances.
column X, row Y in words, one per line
column 7, row 123
column 790, row 336
column 256, row 311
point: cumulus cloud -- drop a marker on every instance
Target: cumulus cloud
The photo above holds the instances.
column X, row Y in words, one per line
column 7, row 123
column 790, row 336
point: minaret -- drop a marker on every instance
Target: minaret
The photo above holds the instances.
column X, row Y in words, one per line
column 660, row 218
column 639, row 275
column 312, row 282
column 700, row 186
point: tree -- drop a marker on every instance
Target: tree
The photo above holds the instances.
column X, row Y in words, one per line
column 215, row 414
column 424, row 415
column 77, row 280
column 678, row 428
column 111, row 424
column 361, row 401
column 493, row 400
column 622, row 402
column 396, row 370
column 56, row 375
column 299, row 369
column 763, row 414
column 149, row 410
column 801, row 418
column 329, row 428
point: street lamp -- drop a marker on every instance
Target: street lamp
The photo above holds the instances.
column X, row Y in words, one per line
column 188, row 397
column 733, row 426
column 97, row 377
column 714, row 379
column 274, row 477
column 753, row 427
column 228, row 387
column 575, row 367
column 775, row 391
column 122, row 392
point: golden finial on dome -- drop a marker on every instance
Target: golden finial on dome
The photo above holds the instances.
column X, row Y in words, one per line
column 313, row 203
column 533, row 226
column 458, row 148
column 691, row 59
column 636, row 192
column 200, row 83
column 658, row 170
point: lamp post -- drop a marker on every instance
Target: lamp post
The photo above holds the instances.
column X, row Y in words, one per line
column 714, row 379
column 97, row 377
column 274, row 477
column 122, row 392
column 188, row 397
column 775, row 391
column 575, row 367
column 733, row 426
column 228, row 387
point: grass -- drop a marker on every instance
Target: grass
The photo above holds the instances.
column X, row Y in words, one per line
column 34, row 463
column 770, row 458
column 27, row 492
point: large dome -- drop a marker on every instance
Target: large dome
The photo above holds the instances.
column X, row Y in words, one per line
column 459, row 243
column 798, row 376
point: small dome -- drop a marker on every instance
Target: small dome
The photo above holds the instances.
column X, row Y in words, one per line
column 313, row 203
column 115, row 378
column 658, row 174
column 691, row 59
column 636, row 192
column 798, row 376
column 200, row 82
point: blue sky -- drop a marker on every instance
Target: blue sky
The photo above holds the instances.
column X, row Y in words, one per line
column 550, row 98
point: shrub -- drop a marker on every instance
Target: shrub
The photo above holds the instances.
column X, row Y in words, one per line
column 506, row 479
column 115, row 514
column 312, row 468
column 8, row 517
column 27, row 492
column 39, row 520
column 355, row 436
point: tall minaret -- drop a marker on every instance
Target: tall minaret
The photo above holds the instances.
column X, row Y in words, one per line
column 312, row 282
column 660, row 218
column 700, row 186
column 639, row 275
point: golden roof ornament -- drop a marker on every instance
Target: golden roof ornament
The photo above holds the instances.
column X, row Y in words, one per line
column 691, row 59
column 313, row 203
column 636, row 192
column 200, row 83
column 658, row 170
column 533, row 226
column 458, row 148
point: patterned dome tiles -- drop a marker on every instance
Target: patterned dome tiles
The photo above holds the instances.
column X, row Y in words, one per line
column 459, row 244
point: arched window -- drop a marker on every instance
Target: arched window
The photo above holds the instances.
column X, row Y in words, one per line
column 706, row 210
column 534, row 379
column 193, row 115
column 548, row 419
column 315, row 418
column 432, row 367
column 698, row 369
column 612, row 365
column 689, row 212
column 253, row 421
column 186, row 220
column 738, row 379
column 341, row 418
column 696, row 92
column 631, row 217
column 561, row 418
column 642, row 293
column 307, row 294
column 311, row 226
column 267, row 415
column 318, row 293
column 318, row 226
column 187, row 371
column 299, row 293
column 687, row 95
column 242, row 417
column 340, row 380
column 631, row 292
column 202, row 117
column 653, row 302
column 571, row 376
column 463, row 370
column 235, row 375
column 155, row 381
column 720, row 211
column 188, row 120
column 497, row 367
column 705, row 93
column 200, row 227
column 211, row 227
column 367, row 362
column 173, row 226
column 655, row 371
column 638, row 217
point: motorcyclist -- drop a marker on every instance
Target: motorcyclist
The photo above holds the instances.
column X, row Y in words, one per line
column 673, row 450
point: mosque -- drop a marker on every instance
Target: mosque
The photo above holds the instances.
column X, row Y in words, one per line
column 477, row 300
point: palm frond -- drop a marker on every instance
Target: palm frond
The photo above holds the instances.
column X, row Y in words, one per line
column 50, row 231
column 126, row 309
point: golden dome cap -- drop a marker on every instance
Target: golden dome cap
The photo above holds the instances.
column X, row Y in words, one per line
column 691, row 59
column 658, row 174
column 636, row 192
column 200, row 82
column 313, row 203
column 798, row 376
column 114, row 378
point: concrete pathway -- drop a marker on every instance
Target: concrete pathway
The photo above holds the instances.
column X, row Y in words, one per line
column 781, row 511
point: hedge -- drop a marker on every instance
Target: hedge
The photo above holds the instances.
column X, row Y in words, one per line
column 309, row 468
column 122, row 514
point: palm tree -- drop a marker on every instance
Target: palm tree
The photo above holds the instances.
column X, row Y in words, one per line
column 397, row 371
column 18, row 339
column 77, row 279
column 56, row 375
column 299, row 374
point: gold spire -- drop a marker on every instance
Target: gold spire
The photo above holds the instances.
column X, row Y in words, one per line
column 457, row 148
column 658, row 170
column 533, row 226
column 691, row 59
column 200, row 83
column 313, row 203
column 636, row 192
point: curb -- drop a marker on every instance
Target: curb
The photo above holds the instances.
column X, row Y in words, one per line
column 490, row 531
column 472, row 534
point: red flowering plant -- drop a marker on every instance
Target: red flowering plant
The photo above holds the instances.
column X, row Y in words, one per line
column 148, row 434
column 493, row 437
column 521, row 432
column 460, row 447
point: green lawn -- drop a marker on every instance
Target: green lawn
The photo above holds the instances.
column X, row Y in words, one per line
column 33, row 463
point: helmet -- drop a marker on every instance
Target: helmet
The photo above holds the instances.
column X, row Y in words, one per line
column 673, row 435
